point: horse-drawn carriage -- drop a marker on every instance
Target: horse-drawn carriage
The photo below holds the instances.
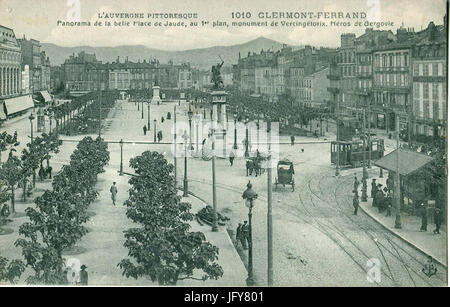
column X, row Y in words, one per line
column 285, row 170
column 254, row 164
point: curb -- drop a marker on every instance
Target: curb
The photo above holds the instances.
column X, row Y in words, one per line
column 401, row 237
column 223, row 229
column 395, row 233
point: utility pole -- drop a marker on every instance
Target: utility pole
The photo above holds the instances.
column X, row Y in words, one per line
column 269, row 213
column 337, row 136
column 213, row 162
column 398, row 222
column 175, row 142
column 369, row 164
column 100, row 115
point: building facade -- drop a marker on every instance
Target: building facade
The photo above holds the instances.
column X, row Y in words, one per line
column 10, row 64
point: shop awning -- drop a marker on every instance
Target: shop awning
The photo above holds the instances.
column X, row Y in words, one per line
column 17, row 104
column 46, row 96
column 409, row 161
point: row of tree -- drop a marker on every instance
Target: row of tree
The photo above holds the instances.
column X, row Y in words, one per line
column 56, row 222
column 82, row 114
column 163, row 247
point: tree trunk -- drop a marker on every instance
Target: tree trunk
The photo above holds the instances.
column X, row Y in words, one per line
column 24, row 190
column 13, row 200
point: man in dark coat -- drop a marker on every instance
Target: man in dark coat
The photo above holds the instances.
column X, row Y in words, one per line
column 378, row 196
column 145, row 130
column 244, row 235
column 83, row 276
column 374, row 188
column 437, row 219
column 292, row 140
column 355, row 204
column 49, row 172
column 355, row 184
column 423, row 215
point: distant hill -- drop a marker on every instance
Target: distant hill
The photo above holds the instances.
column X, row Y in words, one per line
column 203, row 58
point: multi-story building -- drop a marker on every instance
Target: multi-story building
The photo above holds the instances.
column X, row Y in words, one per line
column 38, row 64
column 10, row 64
column 429, row 62
column 310, row 88
column 185, row 78
column 392, row 83
column 81, row 73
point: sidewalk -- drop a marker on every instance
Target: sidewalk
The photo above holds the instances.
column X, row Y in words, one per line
column 234, row 271
column 428, row 243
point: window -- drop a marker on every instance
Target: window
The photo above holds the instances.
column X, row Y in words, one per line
column 435, row 69
column 425, row 69
column 416, row 69
column 435, row 92
column 426, row 93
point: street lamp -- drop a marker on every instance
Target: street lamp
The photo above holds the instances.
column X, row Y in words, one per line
column 142, row 108
column 249, row 196
column 185, row 181
column 235, row 132
column 246, row 138
column 154, row 132
column 148, row 115
column 197, row 121
column 31, row 118
column 190, row 114
column 121, row 157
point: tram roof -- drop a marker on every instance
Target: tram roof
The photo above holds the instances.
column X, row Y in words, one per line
column 409, row 161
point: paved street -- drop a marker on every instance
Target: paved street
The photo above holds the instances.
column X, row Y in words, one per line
column 317, row 240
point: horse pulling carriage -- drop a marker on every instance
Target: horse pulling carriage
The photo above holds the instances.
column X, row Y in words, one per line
column 285, row 170
column 253, row 164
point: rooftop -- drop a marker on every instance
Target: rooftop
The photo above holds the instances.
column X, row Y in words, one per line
column 409, row 161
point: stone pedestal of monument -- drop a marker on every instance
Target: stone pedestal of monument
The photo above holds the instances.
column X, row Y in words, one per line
column 219, row 122
column 156, row 99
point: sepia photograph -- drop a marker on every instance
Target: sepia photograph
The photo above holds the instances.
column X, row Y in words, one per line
column 208, row 144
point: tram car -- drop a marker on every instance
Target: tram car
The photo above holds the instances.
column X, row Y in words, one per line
column 351, row 153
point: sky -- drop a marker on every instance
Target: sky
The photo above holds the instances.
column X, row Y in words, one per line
column 38, row 19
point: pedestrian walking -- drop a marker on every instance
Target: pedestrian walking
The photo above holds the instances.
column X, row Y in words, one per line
column 374, row 188
column 292, row 140
column 378, row 196
column 162, row 119
column 113, row 191
column 356, row 184
column 232, row 155
column 355, row 204
column 145, row 130
column 437, row 219
column 389, row 200
column 83, row 276
column 239, row 233
column 244, row 235
column 423, row 215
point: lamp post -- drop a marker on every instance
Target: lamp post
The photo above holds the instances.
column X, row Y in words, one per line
column 190, row 114
column 249, row 196
column 185, row 181
column 246, row 138
column 175, row 143
column 235, row 131
column 154, row 132
column 142, row 109
column 50, row 116
column 215, row 228
column 337, row 136
column 121, row 158
column 148, row 115
column 269, row 210
column 31, row 118
column 100, row 114
column 398, row 222
column 197, row 121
